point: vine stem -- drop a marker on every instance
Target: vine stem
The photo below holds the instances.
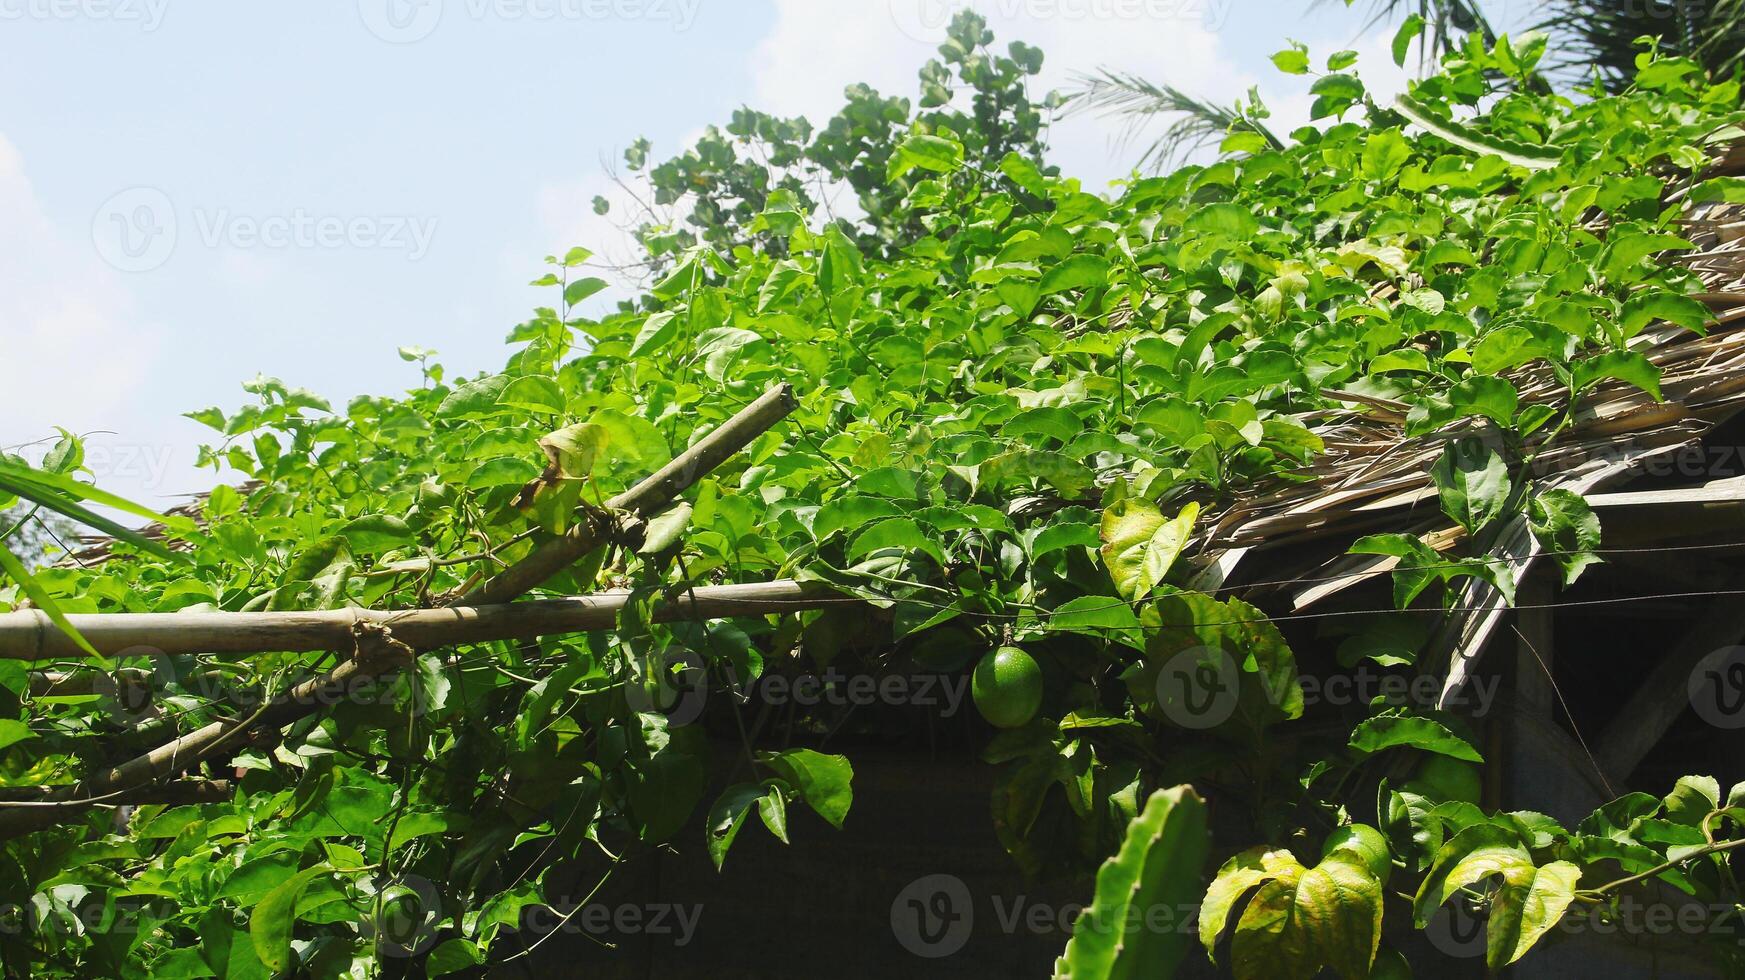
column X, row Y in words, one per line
column 1667, row 866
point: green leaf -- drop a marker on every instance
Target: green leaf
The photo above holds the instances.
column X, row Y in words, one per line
column 13, row 731
column 581, row 289
column 1692, row 799
column 418, row 823
column 1527, row 903
column 896, row 532
column 1096, row 614
column 1301, row 919
column 1658, row 304
column 66, row 496
column 1157, row 867
column 684, row 278
column 1334, row 94
column 727, row 815
column 1140, row 546
column 1427, row 734
column 1468, row 857
column 1056, row 537
column 1228, row 654
column 251, row 882
column 1410, row 28
column 1340, row 905
column 1473, row 483
column 664, row 789
column 655, row 333
column 1233, row 220
column 376, row 533
column 1127, row 529
column 1236, row 878
column 825, row 782
column 1384, row 153
column 852, row 512
column 1730, row 190
column 666, row 530
column 1567, row 529
column 534, row 394
column 1625, row 251
column 772, row 809
column 1627, row 366
column 476, row 399
column 273, row 920
column 1082, row 271
column 1419, row 565
column 1509, row 347
column 1530, row 901
column 934, row 153
column 453, row 956
column 1492, row 398
column 1293, row 60
column 572, row 450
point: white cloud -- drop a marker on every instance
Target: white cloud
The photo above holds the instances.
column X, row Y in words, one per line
column 817, row 47
column 72, row 352
column 567, row 218
column 1288, row 96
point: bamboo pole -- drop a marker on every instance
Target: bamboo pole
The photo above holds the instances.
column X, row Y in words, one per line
column 29, row 635
column 644, row 500
column 377, row 651
column 39, row 810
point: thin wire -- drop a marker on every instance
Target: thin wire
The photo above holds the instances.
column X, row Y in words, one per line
column 787, row 605
column 1113, row 603
column 1573, row 727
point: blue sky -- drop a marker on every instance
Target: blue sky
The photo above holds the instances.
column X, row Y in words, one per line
column 194, row 191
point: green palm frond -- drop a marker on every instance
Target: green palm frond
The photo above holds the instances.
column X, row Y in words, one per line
column 1446, row 22
column 1600, row 35
column 1195, row 122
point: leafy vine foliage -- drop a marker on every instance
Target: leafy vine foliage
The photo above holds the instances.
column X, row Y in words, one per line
column 1021, row 403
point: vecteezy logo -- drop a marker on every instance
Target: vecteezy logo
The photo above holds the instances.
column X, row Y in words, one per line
column 400, row 21
column 403, row 918
column 1198, row 688
column 933, row 916
column 135, row 230
column 1717, row 688
column 674, row 682
column 925, row 20
column 1457, row 930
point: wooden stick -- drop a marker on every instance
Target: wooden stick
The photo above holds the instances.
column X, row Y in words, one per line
column 644, row 500
column 40, row 813
column 180, row 791
column 379, row 652
column 29, row 635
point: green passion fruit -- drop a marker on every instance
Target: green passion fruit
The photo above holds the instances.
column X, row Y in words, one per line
column 1365, row 843
column 1443, row 778
column 1007, row 687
